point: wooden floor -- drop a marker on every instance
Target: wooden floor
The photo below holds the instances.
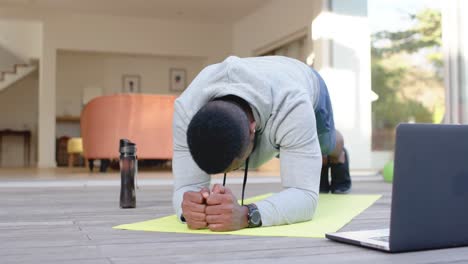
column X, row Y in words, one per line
column 73, row 225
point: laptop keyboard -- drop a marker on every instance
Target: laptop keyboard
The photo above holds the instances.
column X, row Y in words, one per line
column 382, row 238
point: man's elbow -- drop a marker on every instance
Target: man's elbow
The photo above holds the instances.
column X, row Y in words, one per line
column 304, row 210
column 312, row 201
column 311, row 210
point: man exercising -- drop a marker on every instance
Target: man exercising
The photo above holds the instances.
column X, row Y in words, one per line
column 243, row 112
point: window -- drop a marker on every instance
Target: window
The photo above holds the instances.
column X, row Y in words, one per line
column 407, row 66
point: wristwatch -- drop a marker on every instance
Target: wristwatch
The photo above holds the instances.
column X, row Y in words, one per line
column 254, row 218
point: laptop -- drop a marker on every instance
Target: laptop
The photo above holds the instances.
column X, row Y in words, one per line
column 430, row 192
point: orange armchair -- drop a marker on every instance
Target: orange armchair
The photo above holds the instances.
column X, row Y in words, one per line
column 145, row 119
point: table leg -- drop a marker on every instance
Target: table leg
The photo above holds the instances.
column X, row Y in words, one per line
column 27, row 149
column 1, row 149
column 71, row 159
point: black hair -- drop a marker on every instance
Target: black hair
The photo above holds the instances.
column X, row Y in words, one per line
column 217, row 134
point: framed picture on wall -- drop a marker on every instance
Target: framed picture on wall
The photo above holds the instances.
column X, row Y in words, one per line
column 131, row 83
column 177, row 79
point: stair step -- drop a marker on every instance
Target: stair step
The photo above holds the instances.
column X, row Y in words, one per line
column 3, row 73
column 19, row 71
column 14, row 71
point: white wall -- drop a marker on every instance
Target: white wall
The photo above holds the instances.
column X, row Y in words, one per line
column 455, row 44
column 273, row 23
column 342, row 39
column 100, row 33
column 139, row 36
column 153, row 70
column 463, row 55
column 22, row 38
column 18, row 111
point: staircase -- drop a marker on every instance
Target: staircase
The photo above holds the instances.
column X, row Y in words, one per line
column 18, row 72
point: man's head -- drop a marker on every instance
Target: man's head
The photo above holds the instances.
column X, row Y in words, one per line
column 220, row 135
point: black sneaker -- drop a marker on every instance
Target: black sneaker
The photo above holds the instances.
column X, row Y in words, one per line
column 324, row 183
column 341, row 179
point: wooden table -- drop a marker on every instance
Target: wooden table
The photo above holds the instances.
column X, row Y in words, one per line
column 26, row 135
column 73, row 225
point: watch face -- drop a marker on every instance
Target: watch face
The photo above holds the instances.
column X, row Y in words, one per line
column 255, row 218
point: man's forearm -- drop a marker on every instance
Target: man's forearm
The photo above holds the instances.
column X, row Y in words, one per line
column 287, row 207
column 187, row 177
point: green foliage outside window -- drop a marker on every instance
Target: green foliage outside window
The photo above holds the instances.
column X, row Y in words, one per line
column 407, row 91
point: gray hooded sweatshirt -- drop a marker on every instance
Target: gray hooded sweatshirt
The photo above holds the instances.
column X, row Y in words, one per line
column 282, row 93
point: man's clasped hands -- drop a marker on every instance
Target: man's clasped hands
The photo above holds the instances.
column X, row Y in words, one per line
column 217, row 210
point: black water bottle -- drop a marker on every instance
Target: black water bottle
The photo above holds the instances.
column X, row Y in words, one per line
column 128, row 172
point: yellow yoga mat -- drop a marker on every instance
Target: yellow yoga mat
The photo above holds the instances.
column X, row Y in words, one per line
column 333, row 212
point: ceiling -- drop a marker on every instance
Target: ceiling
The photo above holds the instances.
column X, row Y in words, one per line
column 209, row 11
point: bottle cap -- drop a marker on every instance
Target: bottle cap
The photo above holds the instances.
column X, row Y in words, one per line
column 126, row 146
